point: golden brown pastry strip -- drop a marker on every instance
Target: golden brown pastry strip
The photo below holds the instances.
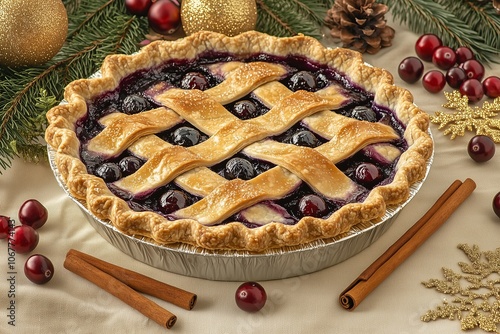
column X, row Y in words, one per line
column 306, row 163
column 227, row 140
column 243, row 79
column 121, row 132
column 236, row 195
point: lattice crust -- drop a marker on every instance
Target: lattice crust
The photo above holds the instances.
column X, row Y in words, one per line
column 188, row 167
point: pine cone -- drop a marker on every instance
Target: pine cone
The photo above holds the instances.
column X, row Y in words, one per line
column 360, row 25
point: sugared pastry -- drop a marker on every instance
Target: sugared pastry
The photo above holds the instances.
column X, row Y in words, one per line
column 248, row 142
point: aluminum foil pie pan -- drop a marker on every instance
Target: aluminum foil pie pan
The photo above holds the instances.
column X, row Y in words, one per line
column 230, row 265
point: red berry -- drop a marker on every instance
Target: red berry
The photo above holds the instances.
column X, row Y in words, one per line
column 463, row 54
column 24, row 239
column 491, row 87
column 138, row 7
column 444, row 57
column 473, row 69
column 425, row 46
column 312, row 205
column 250, row 297
column 434, row 81
column 33, row 213
column 411, row 69
column 4, row 227
column 455, row 76
column 473, row 89
column 481, row 148
column 496, row 204
column 38, row 269
column 367, row 174
column 164, row 16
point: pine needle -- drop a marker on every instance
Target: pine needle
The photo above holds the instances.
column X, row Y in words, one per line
column 290, row 17
column 96, row 28
column 425, row 16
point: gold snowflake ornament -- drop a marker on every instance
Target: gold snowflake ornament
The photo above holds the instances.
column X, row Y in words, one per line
column 475, row 291
column 480, row 119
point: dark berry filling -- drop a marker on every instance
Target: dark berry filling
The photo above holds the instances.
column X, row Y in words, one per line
column 365, row 167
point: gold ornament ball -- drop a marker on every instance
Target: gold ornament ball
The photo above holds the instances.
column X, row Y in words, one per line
column 229, row 17
column 31, row 31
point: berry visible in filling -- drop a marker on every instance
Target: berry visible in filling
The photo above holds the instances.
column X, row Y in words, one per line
column 312, row 205
column 239, row 168
column 173, row 200
column 368, row 168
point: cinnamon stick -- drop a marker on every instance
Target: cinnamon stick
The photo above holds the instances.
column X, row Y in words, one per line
column 120, row 290
column 369, row 279
column 141, row 282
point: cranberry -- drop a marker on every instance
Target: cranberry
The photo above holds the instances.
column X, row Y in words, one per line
column 496, row 204
column 4, row 227
column 411, row 69
column 239, row 168
column 425, row 46
column 250, row 297
column 312, row 205
column 473, row 89
column 164, row 16
column 194, row 80
column 434, row 81
column 444, row 57
column 38, row 269
column 24, row 239
column 173, row 200
column 473, row 69
column 367, row 174
column 455, row 76
column 481, row 148
column 463, row 54
column 138, row 7
column 33, row 213
column 491, row 87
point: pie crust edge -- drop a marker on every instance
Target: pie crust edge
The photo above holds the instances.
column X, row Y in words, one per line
column 98, row 199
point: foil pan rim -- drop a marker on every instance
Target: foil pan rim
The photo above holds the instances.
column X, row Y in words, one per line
column 278, row 263
column 240, row 265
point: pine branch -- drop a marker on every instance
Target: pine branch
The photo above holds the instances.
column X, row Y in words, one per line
column 96, row 29
column 480, row 17
column 426, row 16
column 290, row 17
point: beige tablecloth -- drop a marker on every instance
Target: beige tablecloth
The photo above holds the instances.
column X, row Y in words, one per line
column 306, row 304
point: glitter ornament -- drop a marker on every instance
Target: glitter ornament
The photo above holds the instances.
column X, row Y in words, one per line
column 31, row 31
column 484, row 120
column 229, row 17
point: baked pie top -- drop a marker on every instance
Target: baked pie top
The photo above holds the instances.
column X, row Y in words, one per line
column 248, row 142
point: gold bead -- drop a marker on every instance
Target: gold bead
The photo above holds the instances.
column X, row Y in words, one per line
column 31, row 31
column 229, row 17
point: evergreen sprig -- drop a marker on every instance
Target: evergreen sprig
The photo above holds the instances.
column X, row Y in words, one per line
column 481, row 17
column 440, row 17
column 290, row 17
column 96, row 29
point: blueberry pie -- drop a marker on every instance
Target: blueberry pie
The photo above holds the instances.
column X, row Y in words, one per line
column 249, row 142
